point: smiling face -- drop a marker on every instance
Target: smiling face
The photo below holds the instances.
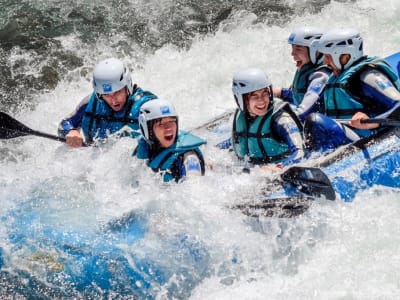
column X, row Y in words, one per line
column 117, row 99
column 165, row 130
column 257, row 102
column 300, row 55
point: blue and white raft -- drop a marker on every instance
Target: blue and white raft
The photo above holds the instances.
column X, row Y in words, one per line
column 340, row 175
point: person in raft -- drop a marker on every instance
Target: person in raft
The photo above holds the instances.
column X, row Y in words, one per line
column 114, row 103
column 359, row 87
column 265, row 130
column 172, row 152
column 306, row 92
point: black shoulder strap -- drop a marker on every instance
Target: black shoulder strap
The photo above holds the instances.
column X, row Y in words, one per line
column 286, row 108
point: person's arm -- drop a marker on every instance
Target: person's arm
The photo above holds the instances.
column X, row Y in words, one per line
column 377, row 86
column 225, row 144
column 311, row 98
column 286, row 128
column 69, row 127
column 191, row 165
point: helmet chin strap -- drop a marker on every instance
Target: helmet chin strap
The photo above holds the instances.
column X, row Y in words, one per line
column 346, row 62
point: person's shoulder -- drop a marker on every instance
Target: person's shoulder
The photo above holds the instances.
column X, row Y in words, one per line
column 283, row 113
column 139, row 93
column 319, row 77
column 324, row 69
column 186, row 137
column 142, row 149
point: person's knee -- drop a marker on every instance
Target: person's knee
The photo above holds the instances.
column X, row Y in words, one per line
column 322, row 133
column 313, row 127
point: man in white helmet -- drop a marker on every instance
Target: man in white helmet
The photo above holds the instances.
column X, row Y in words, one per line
column 114, row 103
column 265, row 130
column 173, row 153
column 360, row 87
column 311, row 75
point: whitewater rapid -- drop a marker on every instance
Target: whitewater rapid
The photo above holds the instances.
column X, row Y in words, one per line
column 335, row 250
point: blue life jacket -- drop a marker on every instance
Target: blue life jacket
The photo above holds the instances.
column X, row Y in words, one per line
column 342, row 96
column 100, row 119
column 301, row 81
column 254, row 138
column 342, row 93
column 170, row 160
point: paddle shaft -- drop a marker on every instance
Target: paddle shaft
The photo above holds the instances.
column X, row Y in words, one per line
column 48, row 136
column 12, row 128
column 385, row 122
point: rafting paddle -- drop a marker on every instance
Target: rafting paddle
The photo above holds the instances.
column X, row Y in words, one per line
column 11, row 128
column 308, row 183
column 381, row 121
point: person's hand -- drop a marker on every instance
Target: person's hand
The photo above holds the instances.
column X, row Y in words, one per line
column 277, row 92
column 74, row 138
column 356, row 121
column 271, row 168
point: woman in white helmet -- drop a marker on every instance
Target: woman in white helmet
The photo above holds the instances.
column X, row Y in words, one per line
column 265, row 130
column 176, row 154
column 114, row 103
column 359, row 87
column 311, row 75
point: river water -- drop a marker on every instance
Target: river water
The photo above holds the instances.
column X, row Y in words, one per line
column 185, row 51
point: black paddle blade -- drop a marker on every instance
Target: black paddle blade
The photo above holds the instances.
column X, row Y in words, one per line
column 11, row 128
column 310, row 181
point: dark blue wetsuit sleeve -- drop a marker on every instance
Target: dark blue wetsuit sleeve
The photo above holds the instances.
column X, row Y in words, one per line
column 74, row 120
column 313, row 96
column 286, row 128
column 287, row 95
column 225, row 144
column 377, row 86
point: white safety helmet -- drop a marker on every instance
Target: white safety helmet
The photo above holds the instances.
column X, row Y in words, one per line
column 153, row 110
column 342, row 41
column 304, row 36
column 111, row 75
column 247, row 81
column 313, row 49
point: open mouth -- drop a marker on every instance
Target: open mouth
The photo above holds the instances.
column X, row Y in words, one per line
column 117, row 106
column 261, row 107
column 169, row 137
column 298, row 63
